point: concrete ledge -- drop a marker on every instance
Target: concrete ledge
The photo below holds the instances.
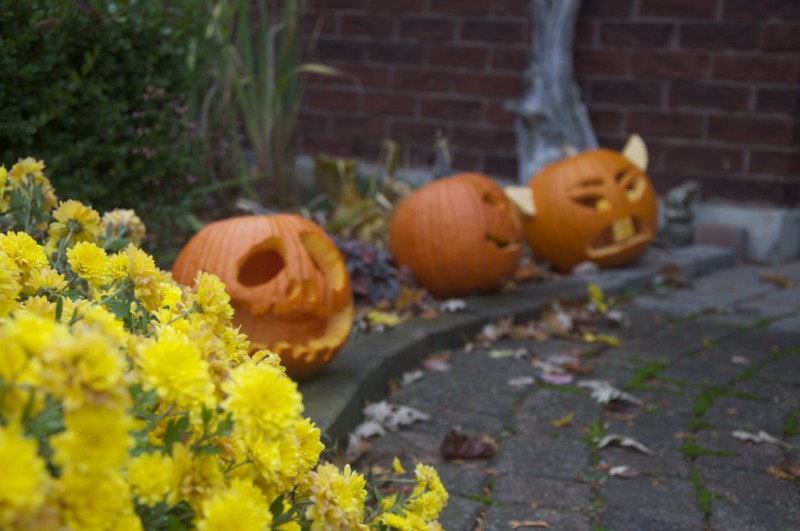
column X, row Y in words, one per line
column 363, row 369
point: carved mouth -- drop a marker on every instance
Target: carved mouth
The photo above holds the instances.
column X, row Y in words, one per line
column 502, row 243
column 624, row 232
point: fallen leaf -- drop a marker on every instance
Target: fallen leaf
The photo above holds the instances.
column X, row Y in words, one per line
column 459, row 446
column 596, row 298
column 558, row 322
column 621, row 440
column 375, row 318
column 785, row 470
column 410, row 377
column 356, row 446
column 563, row 421
column 392, row 416
column 577, row 368
column 368, row 429
column 683, row 435
column 408, row 297
column 622, row 471
column 556, row 379
column 521, row 332
column 500, row 353
column 522, row 381
column 607, row 339
column 494, row 331
column 779, row 280
column 517, row 524
column 671, row 276
column 528, row 270
column 740, row 360
column 603, row 392
column 436, row 364
column 585, row 268
column 758, row 438
column 452, row 306
column 618, row 318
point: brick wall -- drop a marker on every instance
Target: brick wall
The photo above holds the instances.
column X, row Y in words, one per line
column 712, row 85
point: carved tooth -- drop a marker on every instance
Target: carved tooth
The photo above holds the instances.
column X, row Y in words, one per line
column 622, row 229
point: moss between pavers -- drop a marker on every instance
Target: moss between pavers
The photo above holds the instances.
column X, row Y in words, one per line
column 692, row 450
column 704, row 497
column 642, row 375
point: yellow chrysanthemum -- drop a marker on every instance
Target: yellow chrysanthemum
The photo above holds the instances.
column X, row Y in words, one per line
column 236, row 346
column 241, row 505
column 75, row 221
column 405, row 522
column 40, row 306
column 214, row 303
column 89, row 262
column 171, row 294
column 262, row 400
column 173, row 365
column 96, row 439
column 397, row 466
column 146, row 278
column 309, row 443
column 10, row 286
column 34, row 169
column 429, row 496
column 24, row 251
column 193, row 476
column 25, row 478
column 338, row 499
column 150, row 477
column 43, row 280
column 95, row 501
column 4, row 198
column 123, row 220
column 118, row 266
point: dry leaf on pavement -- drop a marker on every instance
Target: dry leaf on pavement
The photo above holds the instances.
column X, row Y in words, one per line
column 459, row 446
column 758, row 438
column 785, row 470
column 518, row 524
column 603, row 392
column 522, row 381
column 452, row 306
column 622, row 471
column 779, row 280
column 563, row 421
column 622, row 440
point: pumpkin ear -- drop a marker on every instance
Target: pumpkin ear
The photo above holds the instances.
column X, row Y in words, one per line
column 522, row 197
column 635, row 150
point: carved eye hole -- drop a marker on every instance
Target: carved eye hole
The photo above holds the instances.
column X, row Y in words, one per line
column 493, row 200
column 593, row 201
column 633, row 183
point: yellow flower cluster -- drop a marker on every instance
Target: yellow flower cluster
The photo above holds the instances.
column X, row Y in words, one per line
column 128, row 401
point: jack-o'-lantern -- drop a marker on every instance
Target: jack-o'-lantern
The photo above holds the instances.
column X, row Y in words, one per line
column 458, row 235
column 596, row 206
column 287, row 281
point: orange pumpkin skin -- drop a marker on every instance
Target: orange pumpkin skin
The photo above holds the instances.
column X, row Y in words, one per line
column 287, row 281
column 458, row 235
column 593, row 206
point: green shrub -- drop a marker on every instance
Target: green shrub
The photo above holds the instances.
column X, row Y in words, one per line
column 98, row 89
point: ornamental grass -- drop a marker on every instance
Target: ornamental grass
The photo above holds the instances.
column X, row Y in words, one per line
column 128, row 401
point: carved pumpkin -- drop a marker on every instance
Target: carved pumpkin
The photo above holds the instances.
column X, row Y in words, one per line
column 458, row 235
column 596, row 206
column 287, row 281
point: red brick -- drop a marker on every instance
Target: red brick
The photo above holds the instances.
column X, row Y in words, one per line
column 775, row 162
column 329, row 49
column 693, row 157
column 669, row 65
column 320, row 23
column 337, row 4
column 512, row 7
column 510, row 58
column 388, row 103
column 778, row 100
column 584, row 32
column 427, row 28
column 461, row 6
column 720, row 36
column 486, row 30
column 496, row 112
column 665, row 123
column 637, row 34
column 484, row 138
column 406, row 6
column 455, row 109
column 606, row 8
column 458, row 56
column 755, row 130
column 625, row 92
column 414, row 131
column 761, row 9
column 499, row 165
column 757, row 68
column 782, row 37
column 491, row 85
column 606, row 120
column 422, row 80
column 394, row 52
column 331, row 146
column 367, row 25
column 600, row 62
column 326, row 98
column 314, row 121
column 359, row 125
column 374, row 76
column 679, row 8
column 709, row 95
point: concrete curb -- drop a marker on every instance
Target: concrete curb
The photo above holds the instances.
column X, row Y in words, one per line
column 362, row 370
